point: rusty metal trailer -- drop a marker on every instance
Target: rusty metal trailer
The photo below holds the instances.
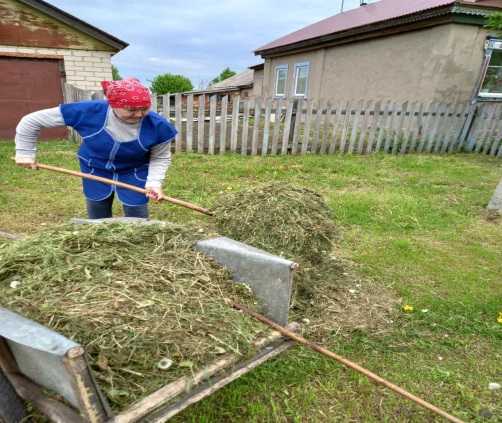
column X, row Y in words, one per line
column 50, row 371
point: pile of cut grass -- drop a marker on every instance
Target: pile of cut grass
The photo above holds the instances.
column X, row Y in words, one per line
column 296, row 222
column 132, row 295
column 280, row 218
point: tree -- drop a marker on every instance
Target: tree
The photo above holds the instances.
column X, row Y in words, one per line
column 115, row 73
column 495, row 22
column 169, row 83
column 225, row 73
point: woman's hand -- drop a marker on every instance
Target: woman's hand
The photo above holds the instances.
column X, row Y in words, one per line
column 154, row 193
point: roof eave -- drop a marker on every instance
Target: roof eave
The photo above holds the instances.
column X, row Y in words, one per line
column 219, row 90
column 258, row 66
column 77, row 23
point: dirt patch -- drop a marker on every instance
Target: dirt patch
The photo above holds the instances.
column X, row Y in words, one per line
column 336, row 301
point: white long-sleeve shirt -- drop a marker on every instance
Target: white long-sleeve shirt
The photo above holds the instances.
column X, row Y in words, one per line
column 29, row 127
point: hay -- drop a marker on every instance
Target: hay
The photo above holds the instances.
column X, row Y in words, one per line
column 283, row 219
column 330, row 298
column 132, row 295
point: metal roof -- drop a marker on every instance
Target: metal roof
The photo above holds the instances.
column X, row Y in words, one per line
column 377, row 12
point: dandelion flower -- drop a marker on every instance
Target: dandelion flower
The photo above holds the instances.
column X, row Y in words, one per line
column 407, row 308
column 499, row 319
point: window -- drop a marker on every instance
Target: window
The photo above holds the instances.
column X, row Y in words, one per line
column 492, row 83
column 301, row 78
column 281, row 77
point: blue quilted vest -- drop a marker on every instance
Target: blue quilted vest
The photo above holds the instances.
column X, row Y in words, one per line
column 101, row 155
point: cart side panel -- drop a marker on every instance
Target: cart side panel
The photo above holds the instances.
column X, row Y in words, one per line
column 269, row 276
column 44, row 369
column 39, row 353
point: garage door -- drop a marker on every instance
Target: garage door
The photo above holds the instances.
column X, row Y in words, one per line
column 28, row 85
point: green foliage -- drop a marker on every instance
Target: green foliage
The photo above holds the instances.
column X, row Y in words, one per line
column 225, row 73
column 495, row 22
column 170, row 83
column 115, row 73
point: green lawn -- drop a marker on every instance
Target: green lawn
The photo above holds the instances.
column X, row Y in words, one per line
column 413, row 224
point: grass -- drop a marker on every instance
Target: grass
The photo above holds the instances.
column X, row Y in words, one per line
column 414, row 224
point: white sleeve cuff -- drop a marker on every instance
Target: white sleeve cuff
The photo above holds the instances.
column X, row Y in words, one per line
column 25, row 157
column 153, row 184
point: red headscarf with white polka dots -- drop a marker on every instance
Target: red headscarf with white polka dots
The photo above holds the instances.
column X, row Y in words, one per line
column 127, row 92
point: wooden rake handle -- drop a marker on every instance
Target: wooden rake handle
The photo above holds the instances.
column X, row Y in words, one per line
column 348, row 363
column 122, row 185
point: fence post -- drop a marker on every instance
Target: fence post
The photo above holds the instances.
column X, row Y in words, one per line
column 201, row 117
column 466, row 129
column 288, row 124
column 223, row 124
column 256, row 127
column 212, row 123
column 235, row 123
column 179, row 122
column 294, row 114
column 189, row 124
column 155, row 106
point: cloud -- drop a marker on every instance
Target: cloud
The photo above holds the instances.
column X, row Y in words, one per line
column 196, row 38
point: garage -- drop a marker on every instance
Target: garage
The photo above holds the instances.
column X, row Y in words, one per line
column 28, row 84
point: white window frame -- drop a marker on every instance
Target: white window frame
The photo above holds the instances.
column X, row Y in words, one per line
column 297, row 71
column 277, row 69
column 490, row 46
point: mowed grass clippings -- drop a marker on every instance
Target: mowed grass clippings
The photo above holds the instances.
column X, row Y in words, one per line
column 279, row 217
column 133, row 295
column 295, row 222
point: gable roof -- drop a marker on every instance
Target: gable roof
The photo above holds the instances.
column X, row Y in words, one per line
column 76, row 23
column 239, row 80
column 367, row 16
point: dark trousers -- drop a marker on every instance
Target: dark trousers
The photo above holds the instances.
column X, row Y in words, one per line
column 103, row 209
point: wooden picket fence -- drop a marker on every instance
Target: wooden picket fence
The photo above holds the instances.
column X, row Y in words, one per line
column 277, row 126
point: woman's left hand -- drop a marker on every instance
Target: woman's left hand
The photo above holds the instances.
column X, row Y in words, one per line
column 154, row 193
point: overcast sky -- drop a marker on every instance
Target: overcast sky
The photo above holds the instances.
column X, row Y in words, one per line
column 193, row 37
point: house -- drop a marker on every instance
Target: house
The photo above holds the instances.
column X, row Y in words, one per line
column 240, row 84
column 41, row 47
column 423, row 50
column 258, row 79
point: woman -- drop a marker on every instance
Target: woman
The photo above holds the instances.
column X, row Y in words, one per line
column 123, row 140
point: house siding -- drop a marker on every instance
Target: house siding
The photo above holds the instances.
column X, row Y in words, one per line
column 258, row 83
column 440, row 63
column 315, row 60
